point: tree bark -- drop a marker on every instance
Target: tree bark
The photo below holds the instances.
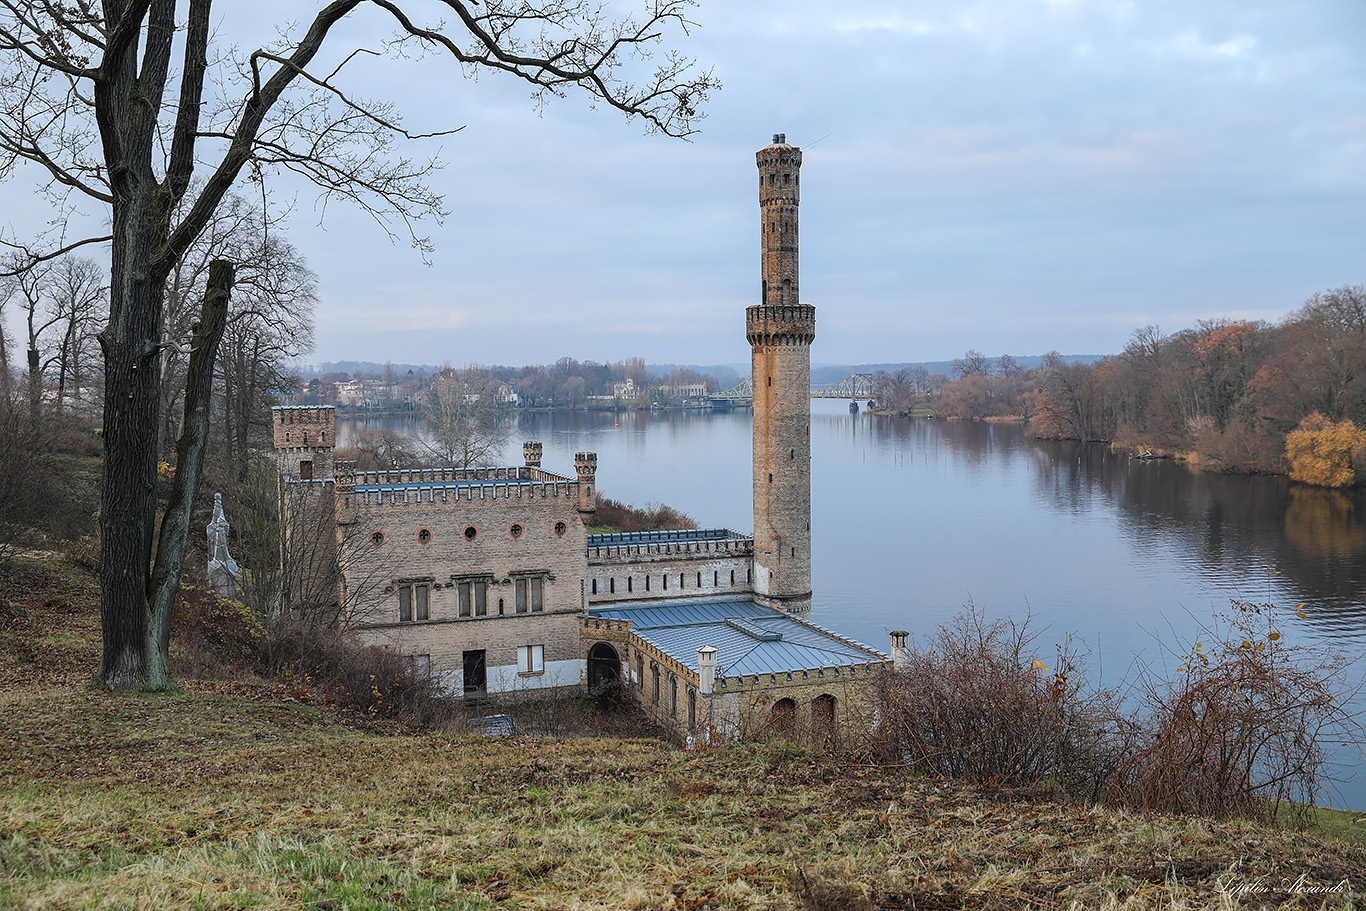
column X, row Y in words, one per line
column 175, row 525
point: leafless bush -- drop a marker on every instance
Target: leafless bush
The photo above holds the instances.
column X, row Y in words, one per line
column 211, row 635
column 654, row 517
column 977, row 704
column 1242, row 727
column 327, row 665
column 42, row 495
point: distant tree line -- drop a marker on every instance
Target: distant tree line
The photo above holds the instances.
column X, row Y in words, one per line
column 567, row 383
column 1241, row 395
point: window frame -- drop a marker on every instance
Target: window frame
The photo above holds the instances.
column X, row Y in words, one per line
column 530, row 660
column 415, row 599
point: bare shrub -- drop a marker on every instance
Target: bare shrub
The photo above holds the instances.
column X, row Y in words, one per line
column 212, row 635
column 654, row 517
column 1242, row 727
column 976, row 704
column 318, row 663
column 42, row 493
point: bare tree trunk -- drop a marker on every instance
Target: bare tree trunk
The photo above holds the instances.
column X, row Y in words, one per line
column 175, row 526
column 131, row 660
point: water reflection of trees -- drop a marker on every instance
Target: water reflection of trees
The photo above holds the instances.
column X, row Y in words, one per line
column 1233, row 524
column 1228, row 524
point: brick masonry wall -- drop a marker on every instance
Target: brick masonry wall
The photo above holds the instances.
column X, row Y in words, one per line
column 304, row 434
column 747, row 710
column 669, row 576
column 782, row 475
column 426, row 542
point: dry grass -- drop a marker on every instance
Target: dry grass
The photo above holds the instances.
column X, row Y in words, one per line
column 233, row 795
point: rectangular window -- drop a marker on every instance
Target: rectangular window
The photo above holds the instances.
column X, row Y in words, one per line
column 654, row 691
column 473, row 598
column 531, row 659
column 306, row 470
column 673, row 696
column 413, row 600
column 530, row 593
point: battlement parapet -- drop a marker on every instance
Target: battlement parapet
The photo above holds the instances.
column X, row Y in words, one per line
column 586, row 464
column 298, row 487
column 344, row 471
column 735, row 547
column 784, row 324
column 845, row 672
column 605, row 624
column 458, row 491
column 401, row 476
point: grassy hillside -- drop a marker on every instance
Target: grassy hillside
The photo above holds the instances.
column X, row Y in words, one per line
column 234, row 794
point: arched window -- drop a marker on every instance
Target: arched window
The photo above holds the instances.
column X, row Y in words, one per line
column 824, row 731
column 782, row 721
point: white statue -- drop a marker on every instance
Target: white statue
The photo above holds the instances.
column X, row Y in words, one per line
column 222, row 567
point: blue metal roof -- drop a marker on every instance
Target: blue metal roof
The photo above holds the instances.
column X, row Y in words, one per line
column 679, row 629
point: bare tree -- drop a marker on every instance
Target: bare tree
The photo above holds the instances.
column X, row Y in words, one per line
column 75, row 299
column 469, row 423
column 96, row 99
column 972, row 363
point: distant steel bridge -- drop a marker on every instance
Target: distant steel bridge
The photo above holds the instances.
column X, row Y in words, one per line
column 853, row 387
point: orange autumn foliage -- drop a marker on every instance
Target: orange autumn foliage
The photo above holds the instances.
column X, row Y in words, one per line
column 1324, row 453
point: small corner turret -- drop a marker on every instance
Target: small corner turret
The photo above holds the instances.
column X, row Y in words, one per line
column 586, row 465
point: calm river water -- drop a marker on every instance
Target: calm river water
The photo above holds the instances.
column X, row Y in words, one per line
column 912, row 519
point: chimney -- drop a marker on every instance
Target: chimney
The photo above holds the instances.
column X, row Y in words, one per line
column 706, row 670
column 901, row 652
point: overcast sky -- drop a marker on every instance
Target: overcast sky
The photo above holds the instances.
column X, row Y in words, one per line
column 1007, row 175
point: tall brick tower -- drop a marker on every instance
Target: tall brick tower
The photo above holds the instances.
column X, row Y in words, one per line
column 780, row 331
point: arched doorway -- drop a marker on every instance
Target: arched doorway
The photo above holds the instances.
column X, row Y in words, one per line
column 604, row 667
column 823, row 726
column 782, row 720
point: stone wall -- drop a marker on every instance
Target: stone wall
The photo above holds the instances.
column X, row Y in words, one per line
column 669, row 569
column 304, row 436
column 499, row 537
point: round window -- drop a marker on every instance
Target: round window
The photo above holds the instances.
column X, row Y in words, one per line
column 471, row 532
column 424, row 536
column 377, row 538
column 561, row 528
column 515, row 531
